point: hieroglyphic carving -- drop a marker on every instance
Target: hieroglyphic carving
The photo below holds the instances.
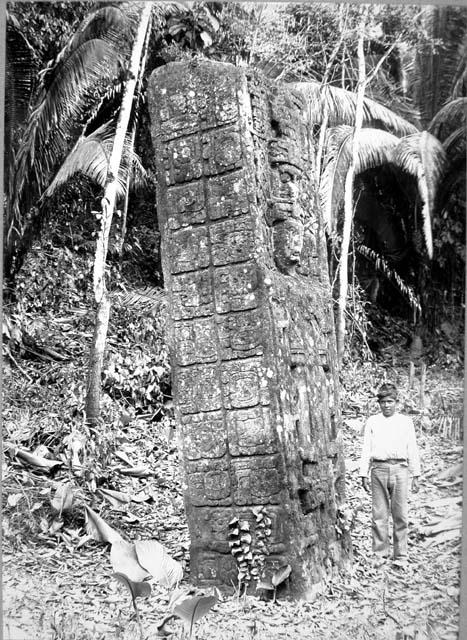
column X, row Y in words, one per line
column 250, row 432
column 241, row 335
column 204, row 435
column 250, row 318
column 236, row 287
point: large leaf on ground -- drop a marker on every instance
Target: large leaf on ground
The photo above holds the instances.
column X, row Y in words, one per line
column 98, row 528
column 124, row 560
column 153, row 556
column 192, row 609
column 37, row 461
column 340, row 106
column 117, row 499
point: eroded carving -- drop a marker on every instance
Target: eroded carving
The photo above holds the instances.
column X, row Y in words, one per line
column 288, row 245
column 250, row 319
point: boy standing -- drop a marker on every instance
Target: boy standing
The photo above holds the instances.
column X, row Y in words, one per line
column 389, row 454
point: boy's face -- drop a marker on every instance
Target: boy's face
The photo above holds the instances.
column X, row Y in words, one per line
column 388, row 407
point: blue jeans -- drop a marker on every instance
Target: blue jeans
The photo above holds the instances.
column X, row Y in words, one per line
column 389, row 488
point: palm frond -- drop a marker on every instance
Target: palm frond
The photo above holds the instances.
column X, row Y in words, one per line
column 436, row 66
column 145, row 299
column 422, row 156
column 374, row 149
column 459, row 81
column 340, row 106
column 449, row 118
column 382, row 266
column 90, row 156
column 455, row 146
column 20, row 71
column 59, row 110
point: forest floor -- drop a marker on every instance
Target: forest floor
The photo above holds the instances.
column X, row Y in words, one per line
column 57, row 581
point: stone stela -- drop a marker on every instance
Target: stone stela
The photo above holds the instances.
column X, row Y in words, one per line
column 250, row 324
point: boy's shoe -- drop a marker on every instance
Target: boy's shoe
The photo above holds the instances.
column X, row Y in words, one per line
column 379, row 561
column 400, row 563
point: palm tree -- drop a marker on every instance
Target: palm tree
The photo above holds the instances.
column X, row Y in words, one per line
column 97, row 74
column 426, row 165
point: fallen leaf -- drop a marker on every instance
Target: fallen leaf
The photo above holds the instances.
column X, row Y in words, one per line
column 14, row 498
column 444, row 536
column 117, row 499
column 124, row 560
column 123, row 456
column 281, row 574
column 454, row 522
column 57, row 524
column 136, row 472
column 98, row 529
column 262, row 584
column 153, row 556
column 41, row 451
column 37, row 461
column 141, row 497
column 451, row 472
column 82, row 540
column 63, row 498
column 130, row 517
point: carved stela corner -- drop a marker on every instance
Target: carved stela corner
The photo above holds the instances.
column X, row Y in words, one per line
column 250, row 327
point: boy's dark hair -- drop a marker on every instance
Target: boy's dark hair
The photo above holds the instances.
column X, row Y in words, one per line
column 387, row 390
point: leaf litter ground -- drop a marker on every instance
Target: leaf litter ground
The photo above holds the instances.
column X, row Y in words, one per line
column 58, row 585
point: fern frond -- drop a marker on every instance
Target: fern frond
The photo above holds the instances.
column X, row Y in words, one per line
column 340, row 105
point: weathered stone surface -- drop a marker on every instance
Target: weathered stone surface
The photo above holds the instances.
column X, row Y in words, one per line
column 250, row 323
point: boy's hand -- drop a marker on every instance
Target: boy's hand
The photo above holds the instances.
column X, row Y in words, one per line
column 366, row 484
column 415, row 484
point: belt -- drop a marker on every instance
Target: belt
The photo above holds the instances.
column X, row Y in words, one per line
column 391, row 460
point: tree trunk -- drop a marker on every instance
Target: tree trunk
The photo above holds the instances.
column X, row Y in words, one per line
column 108, row 205
column 93, row 386
column 348, row 193
column 109, row 197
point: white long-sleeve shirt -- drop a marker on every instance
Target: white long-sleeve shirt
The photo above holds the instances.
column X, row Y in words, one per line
column 386, row 438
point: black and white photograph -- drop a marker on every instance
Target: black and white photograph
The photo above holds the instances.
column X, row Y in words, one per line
column 233, row 320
